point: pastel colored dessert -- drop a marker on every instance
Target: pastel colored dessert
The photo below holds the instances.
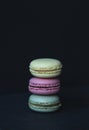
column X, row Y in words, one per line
column 44, row 103
column 44, row 86
column 45, row 67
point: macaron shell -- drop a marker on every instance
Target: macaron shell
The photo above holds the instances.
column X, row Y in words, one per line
column 44, row 91
column 44, row 86
column 44, row 82
column 45, row 64
column 44, row 99
column 45, row 67
column 44, row 103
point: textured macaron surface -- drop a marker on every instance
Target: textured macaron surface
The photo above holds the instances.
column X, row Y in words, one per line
column 44, row 86
column 41, row 82
column 44, row 103
column 44, row 100
column 45, row 64
column 45, row 67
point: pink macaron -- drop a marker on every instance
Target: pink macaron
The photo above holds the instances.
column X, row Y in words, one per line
column 44, row 86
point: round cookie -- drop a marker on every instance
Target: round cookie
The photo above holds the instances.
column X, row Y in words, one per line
column 44, row 103
column 45, row 67
column 44, row 86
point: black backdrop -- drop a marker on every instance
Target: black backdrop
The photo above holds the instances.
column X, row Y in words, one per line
column 32, row 33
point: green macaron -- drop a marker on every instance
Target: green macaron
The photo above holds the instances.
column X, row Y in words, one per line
column 45, row 67
column 42, row 103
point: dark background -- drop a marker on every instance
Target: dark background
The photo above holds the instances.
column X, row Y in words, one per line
column 60, row 33
column 56, row 32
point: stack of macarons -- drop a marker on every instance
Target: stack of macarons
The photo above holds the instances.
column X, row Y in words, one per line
column 44, row 84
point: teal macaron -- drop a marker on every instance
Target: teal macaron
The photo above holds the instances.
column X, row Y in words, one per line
column 42, row 103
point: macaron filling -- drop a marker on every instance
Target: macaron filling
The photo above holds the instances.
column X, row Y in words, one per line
column 45, row 71
column 44, row 104
column 44, row 85
column 43, row 88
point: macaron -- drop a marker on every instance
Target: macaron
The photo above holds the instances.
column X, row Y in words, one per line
column 44, row 86
column 41, row 103
column 45, row 67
